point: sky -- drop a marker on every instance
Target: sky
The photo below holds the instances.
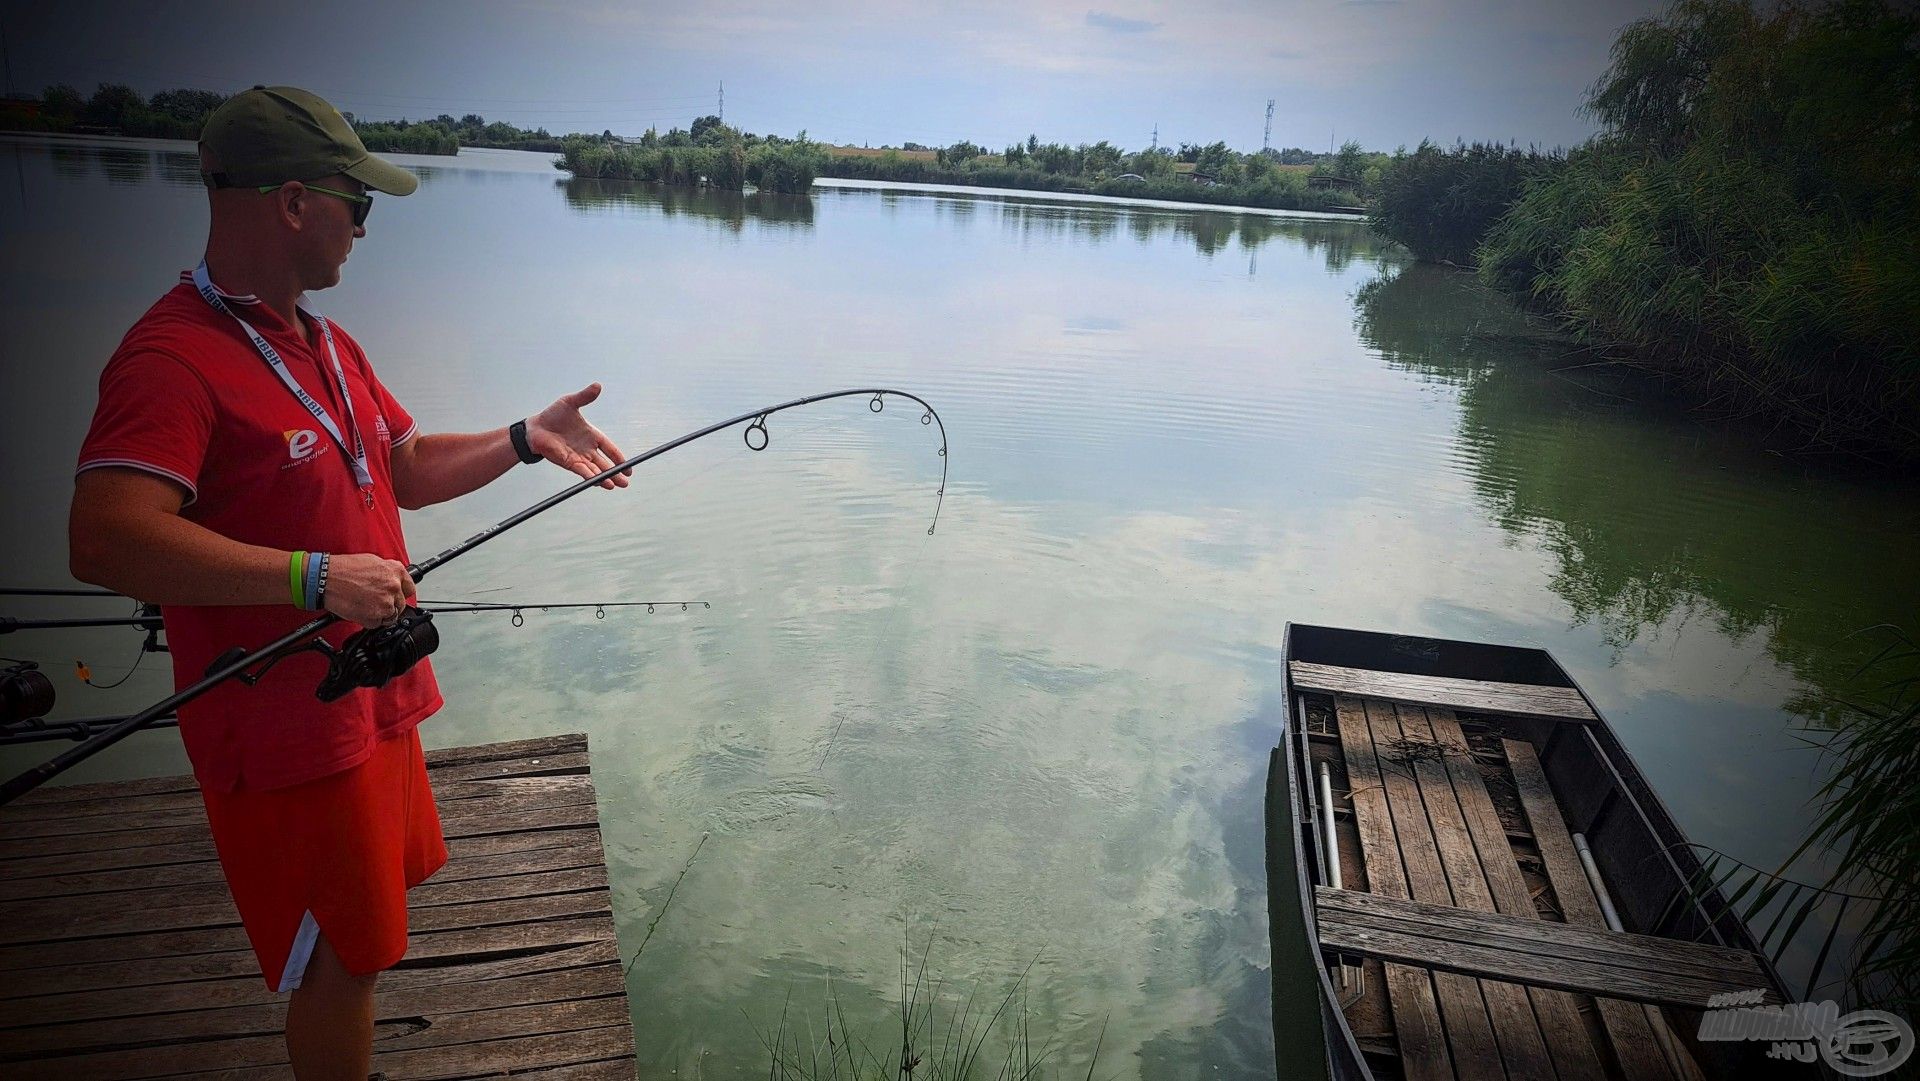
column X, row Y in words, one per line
column 1383, row 72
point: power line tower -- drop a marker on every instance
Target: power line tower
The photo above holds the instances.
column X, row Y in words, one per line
column 723, row 102
column 1266, row 138
column 1156, row 137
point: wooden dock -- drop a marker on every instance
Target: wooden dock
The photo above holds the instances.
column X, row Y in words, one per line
column 121, row 955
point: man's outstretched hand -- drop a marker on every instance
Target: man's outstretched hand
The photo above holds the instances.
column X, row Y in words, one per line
column 561, row 435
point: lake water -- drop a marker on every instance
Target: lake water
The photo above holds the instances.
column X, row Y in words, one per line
column 1036, row 741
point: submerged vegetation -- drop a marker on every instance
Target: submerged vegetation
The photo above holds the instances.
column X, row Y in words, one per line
column 938, row 1036
column 1745, row 221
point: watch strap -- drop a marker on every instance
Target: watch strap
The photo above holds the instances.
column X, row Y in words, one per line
column 517, row 432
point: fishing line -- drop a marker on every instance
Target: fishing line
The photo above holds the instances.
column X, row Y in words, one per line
column 372, row 656
column 662, row 914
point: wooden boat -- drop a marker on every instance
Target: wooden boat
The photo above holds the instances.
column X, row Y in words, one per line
column 1469, row 878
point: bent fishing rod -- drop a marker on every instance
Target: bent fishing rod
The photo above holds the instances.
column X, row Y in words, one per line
column 373, row 655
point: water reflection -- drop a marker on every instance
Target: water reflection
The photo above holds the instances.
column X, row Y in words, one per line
column 71, row 162
column 1650, row 513
column 1035, row 220
column 732, row 210
column 123, row 166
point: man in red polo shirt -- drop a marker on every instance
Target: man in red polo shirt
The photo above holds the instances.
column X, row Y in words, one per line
column 245, row 468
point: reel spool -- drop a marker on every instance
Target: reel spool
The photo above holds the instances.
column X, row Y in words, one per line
column 25, row 693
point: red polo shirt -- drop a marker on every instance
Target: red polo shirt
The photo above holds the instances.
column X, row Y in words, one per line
column 187, row 397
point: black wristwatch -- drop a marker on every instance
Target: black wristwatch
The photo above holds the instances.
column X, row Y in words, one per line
column 517, row 432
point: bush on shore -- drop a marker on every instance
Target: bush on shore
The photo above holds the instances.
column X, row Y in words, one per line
column 1440, row 203
column 786, row 167
column 1748, row 220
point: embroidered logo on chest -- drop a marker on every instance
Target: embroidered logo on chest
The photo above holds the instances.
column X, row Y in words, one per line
column 303, row 444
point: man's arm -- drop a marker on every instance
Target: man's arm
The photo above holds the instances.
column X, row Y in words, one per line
column 125, row 533
column 429, row 469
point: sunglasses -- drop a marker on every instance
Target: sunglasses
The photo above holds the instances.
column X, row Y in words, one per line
column 362, row 204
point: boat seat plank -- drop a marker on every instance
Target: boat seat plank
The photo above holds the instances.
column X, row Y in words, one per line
column 1539, row 953
column 1481, row 696
column 1629, row 1026
column 1410, row 996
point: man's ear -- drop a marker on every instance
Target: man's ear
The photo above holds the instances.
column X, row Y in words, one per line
column 292, row 202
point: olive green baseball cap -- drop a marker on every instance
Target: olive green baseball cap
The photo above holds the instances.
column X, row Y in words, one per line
column 273, row 134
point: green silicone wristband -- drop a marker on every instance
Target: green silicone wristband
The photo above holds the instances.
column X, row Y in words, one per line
column 296, row 578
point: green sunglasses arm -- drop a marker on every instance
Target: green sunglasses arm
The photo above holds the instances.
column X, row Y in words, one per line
column 347, row 195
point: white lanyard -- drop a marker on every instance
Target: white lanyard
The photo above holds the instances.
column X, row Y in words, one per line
column 357, row 454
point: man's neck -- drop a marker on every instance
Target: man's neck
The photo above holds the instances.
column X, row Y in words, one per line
column 234, row 271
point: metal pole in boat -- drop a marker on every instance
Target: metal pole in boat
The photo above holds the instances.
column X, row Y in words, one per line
column 1670, row 1046
column 1331, row 843
column 1607, row 910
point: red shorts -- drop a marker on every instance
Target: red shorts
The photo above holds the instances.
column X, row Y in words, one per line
column 331, row 857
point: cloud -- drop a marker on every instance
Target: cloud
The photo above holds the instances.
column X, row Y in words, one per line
column 1100, row 20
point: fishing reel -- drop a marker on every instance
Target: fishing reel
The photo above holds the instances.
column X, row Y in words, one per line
column 25, row 693
column 375, row 655
column 370, row 657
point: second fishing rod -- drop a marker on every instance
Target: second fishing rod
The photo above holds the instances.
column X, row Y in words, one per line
column 371, row 656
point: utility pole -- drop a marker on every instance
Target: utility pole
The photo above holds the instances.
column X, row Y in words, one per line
column 1266, row 138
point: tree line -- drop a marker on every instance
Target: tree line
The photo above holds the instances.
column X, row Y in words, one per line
column 711, row 152
column 1218, row 174
column 117, row 109
column 1746, row 220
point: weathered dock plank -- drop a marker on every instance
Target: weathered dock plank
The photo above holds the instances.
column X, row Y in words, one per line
column 123, row 957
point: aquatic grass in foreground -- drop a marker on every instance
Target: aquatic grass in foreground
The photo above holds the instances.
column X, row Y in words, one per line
column 939, row 1040
column 1870, row 820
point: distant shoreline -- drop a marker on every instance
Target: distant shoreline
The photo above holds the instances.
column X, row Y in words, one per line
column 826, row 183
column 1041, row 195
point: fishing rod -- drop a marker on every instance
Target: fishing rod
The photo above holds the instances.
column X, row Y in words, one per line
column 15, row 591
column 373, row 655
column 519, row 610
column 40, row 730
column 146, row 622
column 27, row 696
column 8, row 624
